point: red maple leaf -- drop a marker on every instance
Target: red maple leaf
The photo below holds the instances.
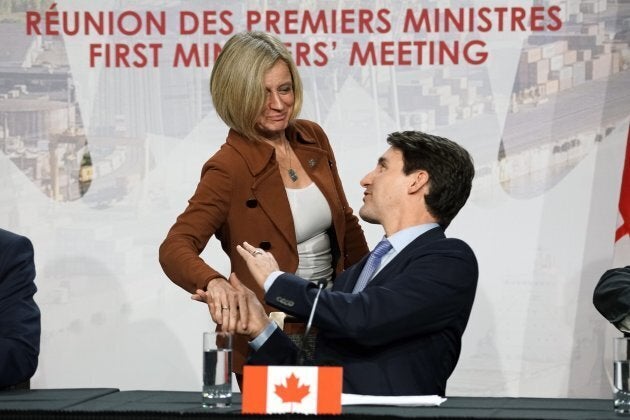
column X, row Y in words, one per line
column 292, row 392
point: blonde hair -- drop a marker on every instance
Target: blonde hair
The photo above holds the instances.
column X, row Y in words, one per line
column 236, row 82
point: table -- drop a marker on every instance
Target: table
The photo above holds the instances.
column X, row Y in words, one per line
column 110, row 403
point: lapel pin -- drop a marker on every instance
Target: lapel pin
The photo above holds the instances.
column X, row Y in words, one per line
column 312, row 162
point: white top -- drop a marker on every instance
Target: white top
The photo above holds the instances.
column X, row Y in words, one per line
column 311, row 218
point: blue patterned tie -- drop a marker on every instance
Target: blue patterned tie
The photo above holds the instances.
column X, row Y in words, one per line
column 372, row 264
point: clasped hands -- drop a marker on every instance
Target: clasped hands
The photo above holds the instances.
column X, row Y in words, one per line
column 234, row 306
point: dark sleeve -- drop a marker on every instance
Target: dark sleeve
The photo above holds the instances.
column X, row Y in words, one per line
column 277, row 350
column 611, row 296
column 19, row 314
column 422, row 295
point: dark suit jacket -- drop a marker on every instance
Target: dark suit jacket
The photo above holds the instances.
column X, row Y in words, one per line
column 611, row 296
column 402, row 334
column 19, row 314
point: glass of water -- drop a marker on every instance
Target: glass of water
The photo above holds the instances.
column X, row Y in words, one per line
column 217, row 369
column 621, row 377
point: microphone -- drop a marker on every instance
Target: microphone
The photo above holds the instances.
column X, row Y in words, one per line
column 321, row 283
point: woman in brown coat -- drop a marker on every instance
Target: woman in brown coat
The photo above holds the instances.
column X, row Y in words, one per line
column 274, row 183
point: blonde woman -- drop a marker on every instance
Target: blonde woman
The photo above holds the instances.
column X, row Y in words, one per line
column 274, row 184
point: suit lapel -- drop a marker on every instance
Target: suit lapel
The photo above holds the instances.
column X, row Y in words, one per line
column 382, row 276
column 345, row 281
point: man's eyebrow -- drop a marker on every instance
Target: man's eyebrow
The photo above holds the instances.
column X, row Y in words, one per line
column 382, row 161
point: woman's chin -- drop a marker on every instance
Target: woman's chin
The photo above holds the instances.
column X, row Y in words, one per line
column 272, row 131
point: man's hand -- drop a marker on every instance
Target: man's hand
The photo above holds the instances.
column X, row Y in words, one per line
column 260, row 263
column 252, row 316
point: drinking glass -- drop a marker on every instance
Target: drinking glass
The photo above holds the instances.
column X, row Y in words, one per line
column 621, row 377
column 217, row 369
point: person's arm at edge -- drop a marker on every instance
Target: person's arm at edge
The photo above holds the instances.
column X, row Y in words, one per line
column 20, row 325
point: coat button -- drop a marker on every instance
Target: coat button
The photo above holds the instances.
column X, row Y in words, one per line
column 251, row 203
column 265, row 245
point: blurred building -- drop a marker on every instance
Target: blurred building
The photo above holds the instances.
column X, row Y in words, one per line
column 40, row 123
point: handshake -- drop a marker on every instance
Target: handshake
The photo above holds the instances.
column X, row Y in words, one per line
column 234, row 306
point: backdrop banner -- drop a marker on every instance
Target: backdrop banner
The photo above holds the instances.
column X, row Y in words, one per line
column 106, row 120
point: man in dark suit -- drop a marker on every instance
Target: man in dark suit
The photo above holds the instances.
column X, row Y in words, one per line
column 611, row 297
column 19, row 314
column 394, row 321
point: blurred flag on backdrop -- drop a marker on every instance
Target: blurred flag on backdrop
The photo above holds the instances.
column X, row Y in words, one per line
column 622, row 235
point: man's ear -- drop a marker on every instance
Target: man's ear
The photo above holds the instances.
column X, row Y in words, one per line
column 419, row 181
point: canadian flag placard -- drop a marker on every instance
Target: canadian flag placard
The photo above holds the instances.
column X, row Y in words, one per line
column 292, row 389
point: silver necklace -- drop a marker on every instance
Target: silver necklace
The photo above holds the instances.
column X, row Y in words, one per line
column 292, row 174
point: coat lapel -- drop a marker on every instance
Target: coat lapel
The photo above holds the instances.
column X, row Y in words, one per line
column 345, row 281
column 316, row 163
column 268, row 188
column 382, row 276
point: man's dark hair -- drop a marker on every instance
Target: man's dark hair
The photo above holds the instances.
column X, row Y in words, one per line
column 449, row 166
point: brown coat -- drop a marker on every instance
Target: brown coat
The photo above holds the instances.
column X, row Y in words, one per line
column 241, row 197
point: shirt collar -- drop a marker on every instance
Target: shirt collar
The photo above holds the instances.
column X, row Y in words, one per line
column 402, row 238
